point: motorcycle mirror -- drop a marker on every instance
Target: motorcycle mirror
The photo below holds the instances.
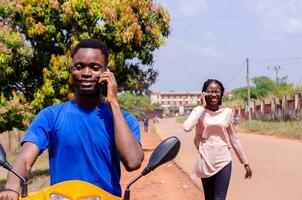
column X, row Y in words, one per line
column 6, row 165
column 164, row 152
column 2, row 155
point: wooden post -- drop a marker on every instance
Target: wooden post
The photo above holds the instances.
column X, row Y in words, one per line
column 273, row 108
column 297, row 101
column 284, row 107
column 262, row 106
column 248, row 90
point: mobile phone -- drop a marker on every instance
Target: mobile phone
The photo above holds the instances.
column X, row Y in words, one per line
column 207, row 97
column 103, row 86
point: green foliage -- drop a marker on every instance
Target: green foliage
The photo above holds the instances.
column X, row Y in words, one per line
column 283, row 88
column 137, row 105
column 289, row 129
column 263, row 86
column 15, row 57
column 133, row 29
column 14, row 113
column 156, row 105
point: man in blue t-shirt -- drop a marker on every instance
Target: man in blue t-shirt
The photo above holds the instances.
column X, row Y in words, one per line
column 86, row 137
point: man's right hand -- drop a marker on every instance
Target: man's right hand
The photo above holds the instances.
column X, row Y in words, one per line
column 9, row 195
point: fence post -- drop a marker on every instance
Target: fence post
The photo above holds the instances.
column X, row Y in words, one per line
column 284, row 107
column 297, row 101
column 262, row 106
column 273, row 108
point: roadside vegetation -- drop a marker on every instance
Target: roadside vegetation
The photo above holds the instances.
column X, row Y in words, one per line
column 288, row 129
column 263, row 87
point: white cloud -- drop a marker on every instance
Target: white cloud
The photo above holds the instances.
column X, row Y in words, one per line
column 178, row 47
column 210, row 52
column 279, row 18
column 191, row 8
column 294, row 25
column 203, row 34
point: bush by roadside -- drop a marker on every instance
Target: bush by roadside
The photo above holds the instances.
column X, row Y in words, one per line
column 288, row 129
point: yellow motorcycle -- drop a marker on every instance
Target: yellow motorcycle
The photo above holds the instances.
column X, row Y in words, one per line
column 81, row 190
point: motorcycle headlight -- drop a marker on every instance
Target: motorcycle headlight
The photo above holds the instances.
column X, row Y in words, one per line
column 60, row 197
column 57, row 197
column 91, row 198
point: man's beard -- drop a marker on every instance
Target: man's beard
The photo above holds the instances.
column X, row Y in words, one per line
column 94, row 92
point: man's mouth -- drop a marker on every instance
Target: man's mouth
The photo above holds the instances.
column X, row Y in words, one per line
column 86, row 83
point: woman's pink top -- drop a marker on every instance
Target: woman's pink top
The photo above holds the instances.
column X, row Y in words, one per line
column 214, row 131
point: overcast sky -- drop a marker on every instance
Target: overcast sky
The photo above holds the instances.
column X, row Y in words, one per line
column 213, row 38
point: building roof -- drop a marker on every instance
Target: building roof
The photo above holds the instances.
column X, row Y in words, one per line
column 175, row 93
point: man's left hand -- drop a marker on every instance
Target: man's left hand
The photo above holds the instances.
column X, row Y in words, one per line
column 111, row 86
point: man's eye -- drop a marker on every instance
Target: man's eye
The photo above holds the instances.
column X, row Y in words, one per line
column 78, row 67
column 96, row 67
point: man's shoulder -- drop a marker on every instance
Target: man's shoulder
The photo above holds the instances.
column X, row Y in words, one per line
column 57, row 107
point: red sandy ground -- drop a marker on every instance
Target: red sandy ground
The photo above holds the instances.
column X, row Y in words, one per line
column 165, row 182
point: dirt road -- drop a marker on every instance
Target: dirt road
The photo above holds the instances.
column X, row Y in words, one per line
column 276, row 164
column 165, row 182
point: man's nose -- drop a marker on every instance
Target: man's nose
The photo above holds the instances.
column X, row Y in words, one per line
column 86, row 71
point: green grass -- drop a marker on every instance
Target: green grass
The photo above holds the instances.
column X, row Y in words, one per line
column 289, row 129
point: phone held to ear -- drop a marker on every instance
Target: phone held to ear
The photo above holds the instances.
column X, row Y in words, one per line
column 104, row 85
column 104, row 88
column 207, row 97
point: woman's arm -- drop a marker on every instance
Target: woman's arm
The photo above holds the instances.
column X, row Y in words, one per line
column 238, row 148
column 192, row 120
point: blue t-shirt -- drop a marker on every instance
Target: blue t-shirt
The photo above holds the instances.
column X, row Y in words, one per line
column 81, row 143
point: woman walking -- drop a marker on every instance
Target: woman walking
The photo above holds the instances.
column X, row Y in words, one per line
column 214, row 135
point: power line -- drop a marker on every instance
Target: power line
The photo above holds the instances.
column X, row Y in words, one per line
column 236, row 74
column 295, row 58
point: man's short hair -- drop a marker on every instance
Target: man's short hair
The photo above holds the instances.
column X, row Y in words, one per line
column 94, row 44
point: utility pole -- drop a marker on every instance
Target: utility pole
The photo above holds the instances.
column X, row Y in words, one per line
column 276, row 68
column 248, row 89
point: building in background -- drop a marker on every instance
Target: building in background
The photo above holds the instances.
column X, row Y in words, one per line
column 176, row 103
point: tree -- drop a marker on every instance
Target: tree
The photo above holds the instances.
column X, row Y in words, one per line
column 241, row 93
column 263, row 86
column 133, row 29
column 282, row 87
column 15, row 57
column 137, row 105
column 14, row 113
